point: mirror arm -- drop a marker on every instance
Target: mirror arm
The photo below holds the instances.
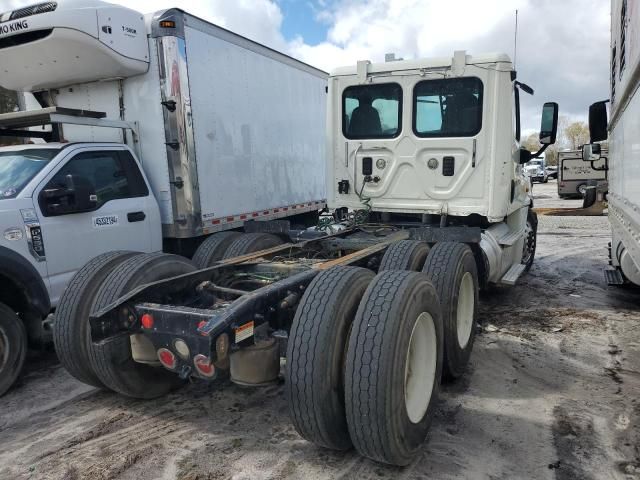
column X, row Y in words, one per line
column 539, row 152
column 605, row 167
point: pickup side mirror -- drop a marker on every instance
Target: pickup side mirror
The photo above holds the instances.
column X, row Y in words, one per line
column 549, row 123
column 76, row 196
column 525, row 155
column 591, row 152
column 598, row 121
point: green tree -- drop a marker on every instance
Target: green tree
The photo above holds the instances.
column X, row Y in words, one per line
column 576, row 134
column 8, row 103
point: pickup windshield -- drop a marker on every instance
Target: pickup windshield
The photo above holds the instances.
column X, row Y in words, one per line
column 18, row 167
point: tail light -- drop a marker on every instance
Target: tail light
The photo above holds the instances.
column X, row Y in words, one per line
column 167, row 358
column 204, row 366
column 147, row 321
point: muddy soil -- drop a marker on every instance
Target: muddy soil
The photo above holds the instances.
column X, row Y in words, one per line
column 552, row 391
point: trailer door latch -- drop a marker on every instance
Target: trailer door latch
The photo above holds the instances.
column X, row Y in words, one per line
column 169, row 105
column 178, row 183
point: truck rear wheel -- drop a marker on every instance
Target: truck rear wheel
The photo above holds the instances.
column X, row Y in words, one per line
column 316, row 351
column 71, row 335
column 404, row 255
column 214, row 248
column 452, row 269
column 13, row 347
column 251, row 242
column 113, row 361
column 393, row 367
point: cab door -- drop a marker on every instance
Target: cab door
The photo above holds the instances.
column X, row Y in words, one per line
column 95, row 202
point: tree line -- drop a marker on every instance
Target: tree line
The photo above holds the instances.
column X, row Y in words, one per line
column 8, row 103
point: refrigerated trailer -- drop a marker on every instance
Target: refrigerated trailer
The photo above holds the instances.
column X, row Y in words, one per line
column 429, row 204
column 158, row 132
column 623, row 133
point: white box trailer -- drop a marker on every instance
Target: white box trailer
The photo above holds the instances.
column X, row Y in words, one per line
column 623, row 133
column 228, row 134
column 574, row 174
column 229, row 129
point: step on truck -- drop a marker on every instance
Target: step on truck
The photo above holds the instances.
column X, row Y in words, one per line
column 621, row 132
column 429, row 204
column 146, row 133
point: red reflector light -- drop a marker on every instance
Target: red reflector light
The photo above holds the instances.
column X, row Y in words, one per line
column 147, row 321
column 167, row 358
column 204, row 366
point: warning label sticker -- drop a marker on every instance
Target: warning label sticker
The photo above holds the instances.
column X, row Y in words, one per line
column 244, row 331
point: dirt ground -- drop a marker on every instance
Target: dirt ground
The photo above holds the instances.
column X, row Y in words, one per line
column 553, row 391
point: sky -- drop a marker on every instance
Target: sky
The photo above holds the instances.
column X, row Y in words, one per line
column 563, row 45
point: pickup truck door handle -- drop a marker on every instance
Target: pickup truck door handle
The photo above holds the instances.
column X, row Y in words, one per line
column 136, row 217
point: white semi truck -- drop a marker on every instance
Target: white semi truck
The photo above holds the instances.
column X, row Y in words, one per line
column 157, row 132
column 623, row 133
column 430, row 204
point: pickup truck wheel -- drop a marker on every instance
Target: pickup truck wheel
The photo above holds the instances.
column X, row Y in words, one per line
column 530, row 240
column 71, row 335
column 113, row 361
column 251, row 242
column 404, row 255
column 316, row 355
column 214, row 248
column 393, row 367
column 13, row 347
column 452, row 269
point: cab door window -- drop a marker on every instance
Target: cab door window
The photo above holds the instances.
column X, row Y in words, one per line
column 112, row 175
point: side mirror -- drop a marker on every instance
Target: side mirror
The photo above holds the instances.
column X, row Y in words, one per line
column 591, row 152
column 525, row 156
column 549, row 123
column 76, row 196
column 598, row 121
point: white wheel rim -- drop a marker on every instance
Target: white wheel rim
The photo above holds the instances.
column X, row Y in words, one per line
column 420, row 367
column 466, row 303
column 582, row 189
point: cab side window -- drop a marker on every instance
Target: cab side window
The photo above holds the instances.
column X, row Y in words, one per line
column 112, row 174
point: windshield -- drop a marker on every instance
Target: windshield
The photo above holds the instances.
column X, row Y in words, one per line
column 18, row 167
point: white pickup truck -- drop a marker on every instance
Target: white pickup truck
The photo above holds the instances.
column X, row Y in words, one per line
column 157, row 132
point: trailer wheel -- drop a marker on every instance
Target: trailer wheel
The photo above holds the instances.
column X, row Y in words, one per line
column 71, row 335
column 316, row 355
column 590, row 196
column 251, row 242
column 404, row 255
column 13, row 347
column 214, row 248
column 113, row 361
column 530, row 240
column 581, row 189
column 452, row 269
column 393, row 367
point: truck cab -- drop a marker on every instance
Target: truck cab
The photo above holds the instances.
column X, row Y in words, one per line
column 97, row 191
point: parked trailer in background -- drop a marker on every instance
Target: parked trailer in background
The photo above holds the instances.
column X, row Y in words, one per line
column 430, row 204
column 574, row 175
column 165, row 133
column 623, row 134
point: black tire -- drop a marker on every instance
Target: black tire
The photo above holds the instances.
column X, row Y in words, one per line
column 530, row 241
column 315, row 355
column 375, row 374
column 113, row 362
column 214, row 248
column 404, row 255
column 590, row 196
column 71, row 335
column 251, row 242
column 545, row 180
column 448, row 265
column 13, row 347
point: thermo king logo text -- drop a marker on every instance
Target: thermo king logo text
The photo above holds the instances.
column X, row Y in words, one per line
column 14, row 27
